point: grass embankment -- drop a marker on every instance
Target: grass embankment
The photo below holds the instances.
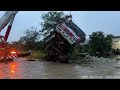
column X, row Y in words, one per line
column 38, row 55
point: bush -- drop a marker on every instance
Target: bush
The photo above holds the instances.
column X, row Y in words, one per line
column 75, row 56
column 100, row 44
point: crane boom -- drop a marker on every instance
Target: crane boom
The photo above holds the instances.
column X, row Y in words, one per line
column 8, row 17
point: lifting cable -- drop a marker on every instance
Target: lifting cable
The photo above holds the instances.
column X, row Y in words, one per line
column 70, row 16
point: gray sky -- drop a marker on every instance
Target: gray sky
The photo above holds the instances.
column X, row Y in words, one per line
column 88, row 21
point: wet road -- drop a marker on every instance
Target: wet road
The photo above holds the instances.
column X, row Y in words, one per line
column 23, row 69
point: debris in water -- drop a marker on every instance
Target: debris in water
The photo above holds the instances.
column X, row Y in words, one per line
column 117, row 67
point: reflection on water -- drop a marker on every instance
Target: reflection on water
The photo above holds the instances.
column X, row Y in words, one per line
column 9, row 70
column 46, row 70
column 1, row 74
column 13, row 69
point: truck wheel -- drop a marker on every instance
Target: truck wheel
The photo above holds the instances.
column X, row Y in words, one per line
column 49, row 58
column 64, row 59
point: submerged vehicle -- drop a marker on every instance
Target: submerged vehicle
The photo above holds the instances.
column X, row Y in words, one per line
column 61, row 43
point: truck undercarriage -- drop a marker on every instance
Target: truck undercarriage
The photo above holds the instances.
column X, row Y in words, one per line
column 58, row 49
column 61, row 43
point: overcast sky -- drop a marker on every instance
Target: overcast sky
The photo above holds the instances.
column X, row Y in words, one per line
column 88, row 21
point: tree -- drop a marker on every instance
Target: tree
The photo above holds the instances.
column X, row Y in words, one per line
column 100, row 44
column 15, row 44
column 30, row 39
column 50, row 20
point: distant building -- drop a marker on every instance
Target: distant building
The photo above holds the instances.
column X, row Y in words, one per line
column 116, row 42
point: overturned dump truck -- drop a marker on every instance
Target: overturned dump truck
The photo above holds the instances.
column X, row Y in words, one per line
column 61, row 43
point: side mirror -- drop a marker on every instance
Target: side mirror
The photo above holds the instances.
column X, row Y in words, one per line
column 83, row 40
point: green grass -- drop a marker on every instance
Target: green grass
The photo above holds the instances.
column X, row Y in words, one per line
column 38, row 55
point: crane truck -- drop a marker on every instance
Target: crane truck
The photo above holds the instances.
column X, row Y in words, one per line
column 7, row 53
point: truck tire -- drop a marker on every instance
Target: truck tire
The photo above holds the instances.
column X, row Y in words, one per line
column 52, row 57
column 49, row 57
column 64, row 59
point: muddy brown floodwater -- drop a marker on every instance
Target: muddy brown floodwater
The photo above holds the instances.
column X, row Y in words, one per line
column 23, row 69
